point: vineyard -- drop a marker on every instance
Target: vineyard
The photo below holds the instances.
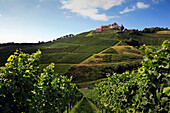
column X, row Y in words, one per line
column 145, row 90
column 27, row 88
column 92, row 71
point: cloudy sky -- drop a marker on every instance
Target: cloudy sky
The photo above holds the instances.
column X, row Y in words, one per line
column 44, row 20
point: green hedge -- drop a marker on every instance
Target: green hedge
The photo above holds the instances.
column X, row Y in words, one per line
column 119, row 58
column 111, row 50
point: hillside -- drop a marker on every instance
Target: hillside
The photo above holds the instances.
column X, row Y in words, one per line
column 89, row 55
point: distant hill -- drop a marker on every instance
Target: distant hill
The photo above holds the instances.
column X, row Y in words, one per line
column 89, row 55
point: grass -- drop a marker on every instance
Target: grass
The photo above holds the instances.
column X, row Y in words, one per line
column 74, row 58
column 111, row 51
column 92, row 82
column 127, row 47
column 89, row 84
column 78, row 49
column 51, row 57
column 130, row 51
column 53, row 50
column 57, row 44
column 145, row 38
column 163, row 32
column 85, row 106
column 62, row 69
column 90, row 34
column 85, row 91
column 120, row 58
column 88, row 41
column 83, row 75
column 69, row 48
column 90, row 49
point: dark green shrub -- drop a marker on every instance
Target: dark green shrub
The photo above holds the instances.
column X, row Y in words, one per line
column 111, row 50
column 89, row 73
column 96, row 56
column 107, row 58
column 127, row 47
column 119, row 58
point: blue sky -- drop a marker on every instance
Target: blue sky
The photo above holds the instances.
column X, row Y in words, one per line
column 45, row 20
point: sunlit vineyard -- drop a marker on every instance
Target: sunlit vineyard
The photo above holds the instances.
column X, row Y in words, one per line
column 144, row 90
column 24, row 87
column 30, row 82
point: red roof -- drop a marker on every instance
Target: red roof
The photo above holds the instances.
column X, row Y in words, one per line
column 98, row 28
column 105, row 26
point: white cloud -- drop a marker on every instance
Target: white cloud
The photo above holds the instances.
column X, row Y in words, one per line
column 90, row 8
column 0, row 15
column 92, row 13
column 128, row 10
column 65, row 12
column 40, row 0
column 141, row 5
column 155, row 1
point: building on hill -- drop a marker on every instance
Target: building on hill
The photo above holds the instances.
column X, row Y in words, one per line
column 111, row 26
column 115, row 26
column 105, row 26
column 99, row 29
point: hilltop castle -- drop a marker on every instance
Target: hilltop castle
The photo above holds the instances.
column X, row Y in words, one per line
column 111, row 26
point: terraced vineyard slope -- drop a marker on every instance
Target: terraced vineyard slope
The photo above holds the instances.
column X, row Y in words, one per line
column 90, row 55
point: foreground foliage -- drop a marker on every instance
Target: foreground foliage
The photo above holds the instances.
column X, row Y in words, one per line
column 144, row 90
column 24, row 87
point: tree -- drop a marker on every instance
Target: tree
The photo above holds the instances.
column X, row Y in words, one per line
column 121, row 27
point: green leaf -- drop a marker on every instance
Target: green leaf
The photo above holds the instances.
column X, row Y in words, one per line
column 166, row 90
column 26, row 76
column 2, row 95
column 159, row 96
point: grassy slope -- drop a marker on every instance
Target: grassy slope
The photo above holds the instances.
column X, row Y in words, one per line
column 147, row 39
column 67, row 53
column 90, row 84
column 70, row 51
column 85, row 106
column 163, row 32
